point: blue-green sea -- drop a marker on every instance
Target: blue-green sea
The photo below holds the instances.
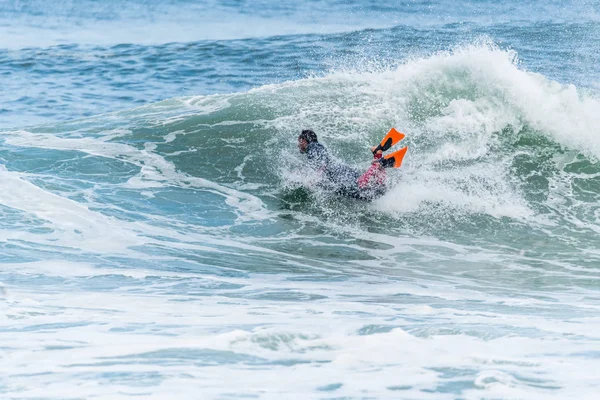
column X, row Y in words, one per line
column 161, row 238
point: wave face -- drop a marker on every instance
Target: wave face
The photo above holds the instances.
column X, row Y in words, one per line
column 158, row 237
column 170, row 246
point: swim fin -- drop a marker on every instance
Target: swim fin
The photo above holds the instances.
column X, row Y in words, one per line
column 394, row 159
column 392, row 137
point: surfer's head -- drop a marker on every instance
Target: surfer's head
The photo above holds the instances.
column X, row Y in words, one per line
column 307, row 136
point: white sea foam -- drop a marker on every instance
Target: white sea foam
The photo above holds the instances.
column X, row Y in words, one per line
column 358, row 340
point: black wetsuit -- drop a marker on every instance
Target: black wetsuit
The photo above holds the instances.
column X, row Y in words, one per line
column 343, row 178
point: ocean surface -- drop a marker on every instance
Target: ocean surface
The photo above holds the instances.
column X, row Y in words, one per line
column 159, row 237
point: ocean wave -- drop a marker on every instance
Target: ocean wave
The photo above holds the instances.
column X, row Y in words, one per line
column 486, row 137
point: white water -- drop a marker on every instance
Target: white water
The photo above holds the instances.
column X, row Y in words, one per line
column 150, row 338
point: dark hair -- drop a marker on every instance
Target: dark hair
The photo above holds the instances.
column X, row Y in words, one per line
column 308, row 135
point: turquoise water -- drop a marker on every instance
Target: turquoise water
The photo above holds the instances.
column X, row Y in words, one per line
column 157, row 238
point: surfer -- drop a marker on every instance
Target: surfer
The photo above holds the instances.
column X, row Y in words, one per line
column 346, row 180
